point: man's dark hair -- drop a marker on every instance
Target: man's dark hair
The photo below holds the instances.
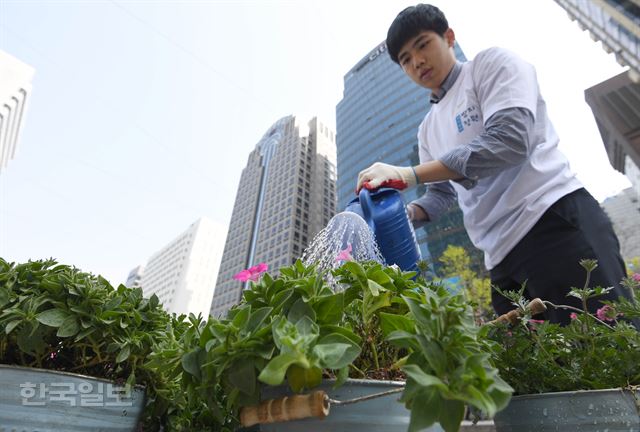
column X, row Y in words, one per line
column 410, row 22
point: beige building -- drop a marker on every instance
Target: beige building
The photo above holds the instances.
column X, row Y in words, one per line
column 286, row 195
column 15, row 91
column 183, row 273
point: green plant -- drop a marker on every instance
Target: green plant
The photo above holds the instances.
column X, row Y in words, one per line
column 56, row 317
column 296, row 329
column 592, row 352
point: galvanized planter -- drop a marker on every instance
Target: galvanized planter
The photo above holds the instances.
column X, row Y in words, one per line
column 383, row 414
column 42, row 400
column 580, row 411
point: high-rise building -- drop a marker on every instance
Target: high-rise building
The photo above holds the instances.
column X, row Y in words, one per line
column 286, row 195
column 15, row 90
column 624, row 212
column 615, row 102
column 616, row 23
column 377, row 121
column 135, row 277
column 183, row 273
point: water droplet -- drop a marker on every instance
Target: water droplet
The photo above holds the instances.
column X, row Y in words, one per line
column 544, row 412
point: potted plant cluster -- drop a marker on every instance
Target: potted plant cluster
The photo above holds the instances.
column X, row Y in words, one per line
column 72, row 349
column 389, row 351
column 298, row 332
column 582, row 376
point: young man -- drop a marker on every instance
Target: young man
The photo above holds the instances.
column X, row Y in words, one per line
column 487, row 140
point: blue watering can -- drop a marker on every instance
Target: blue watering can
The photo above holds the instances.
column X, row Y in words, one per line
column 384, row 212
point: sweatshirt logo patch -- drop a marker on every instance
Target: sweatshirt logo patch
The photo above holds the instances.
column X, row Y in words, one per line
column 467, row 117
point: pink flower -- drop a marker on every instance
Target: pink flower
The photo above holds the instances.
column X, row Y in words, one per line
column 252, row 273
column 607, row 313
column 636, row 277
column 534, row 321
column 573, row 315
column 345, row 254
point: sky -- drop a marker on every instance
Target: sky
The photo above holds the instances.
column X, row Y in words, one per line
column 143, row 113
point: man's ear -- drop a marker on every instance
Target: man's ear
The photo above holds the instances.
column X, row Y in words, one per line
column 450, row 37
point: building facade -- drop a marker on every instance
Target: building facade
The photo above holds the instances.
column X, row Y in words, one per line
column 183, row 273
column 15, row 91
column 616, row 23
column 377, row 121
column 286, row 195
column 615, row 102
column 624, row 212
column 134, row 280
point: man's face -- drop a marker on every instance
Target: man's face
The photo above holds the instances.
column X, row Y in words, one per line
column 428, row 58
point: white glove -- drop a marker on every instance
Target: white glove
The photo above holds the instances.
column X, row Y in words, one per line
column 384, row 175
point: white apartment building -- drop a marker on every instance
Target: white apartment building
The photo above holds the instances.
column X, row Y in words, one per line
column 183, row 273
column 15, row 90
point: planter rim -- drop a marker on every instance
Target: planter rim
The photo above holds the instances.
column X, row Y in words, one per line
column 570, row 392
column 366, row 382
column 59, row 372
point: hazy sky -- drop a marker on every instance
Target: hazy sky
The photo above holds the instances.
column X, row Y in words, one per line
column 143, row 113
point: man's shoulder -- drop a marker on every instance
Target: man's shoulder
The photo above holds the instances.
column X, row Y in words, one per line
column 489, row 57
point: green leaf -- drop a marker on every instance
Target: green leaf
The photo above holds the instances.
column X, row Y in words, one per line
column 301, row 309
column 434, row 354
column 13, row 324
column 374, row 287
column 421, row 315
column 243, row 377
column 425, row 408
column 329, row 309
column 380, row 277
column 391, row 322
column 257, row 318
column 52, row 317
column 300, row 379
column 336, row 351
column 422, row 378
column 69, row 327
column 4, row 296
column 191, row 362
column 123, row 354
column 341, row 377
column 451, row 415
column 241, row 316
column 275, row 370
column 373, row 304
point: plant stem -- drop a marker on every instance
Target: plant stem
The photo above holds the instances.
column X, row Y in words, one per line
column 577, row 310
column 374, row 351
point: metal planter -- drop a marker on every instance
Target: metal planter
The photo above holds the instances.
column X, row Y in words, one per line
column 382, row 414
column 46, row 401
column 583, row 411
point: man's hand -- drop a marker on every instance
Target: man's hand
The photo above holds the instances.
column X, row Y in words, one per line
column 382, row 175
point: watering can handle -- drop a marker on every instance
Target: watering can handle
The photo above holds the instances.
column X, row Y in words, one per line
column 535, row 306
column 286, row 408
column 366, row 203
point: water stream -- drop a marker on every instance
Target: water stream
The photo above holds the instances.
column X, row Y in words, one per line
column 346, row 237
